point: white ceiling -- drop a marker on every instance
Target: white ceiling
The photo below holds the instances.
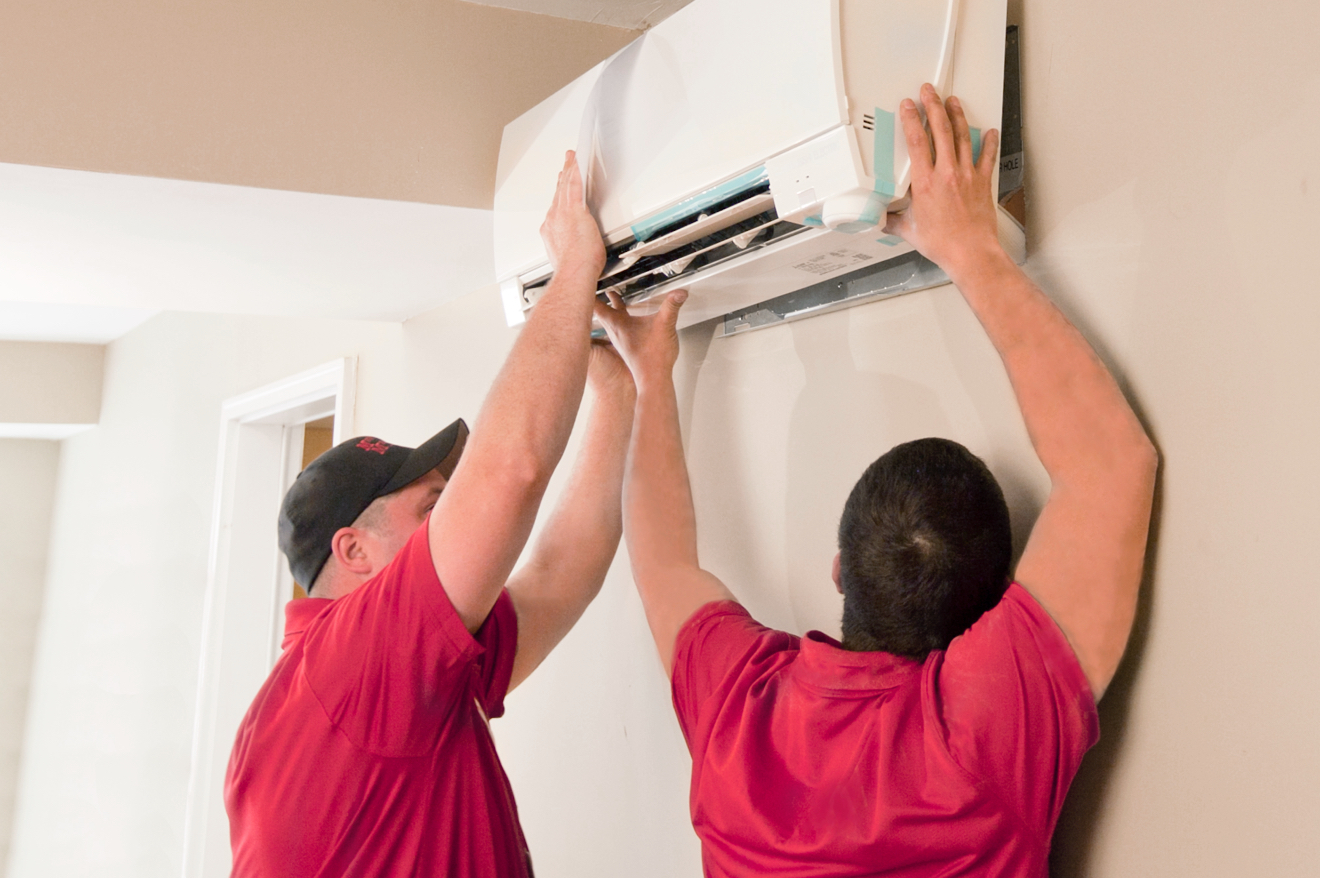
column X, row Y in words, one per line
column 50, row 321
column 631, row 14
column 86, row 256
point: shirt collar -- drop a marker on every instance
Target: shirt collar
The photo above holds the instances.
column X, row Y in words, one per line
column 825, row 664
column 298, row 614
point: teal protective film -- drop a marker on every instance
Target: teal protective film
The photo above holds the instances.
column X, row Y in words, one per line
column 874, row 211
column 883, row 160
column 645, row 228
column 890, row 240
column 813, row 221
column 976, row 145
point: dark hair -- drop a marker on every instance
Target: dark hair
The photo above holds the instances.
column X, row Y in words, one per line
column 924, row 545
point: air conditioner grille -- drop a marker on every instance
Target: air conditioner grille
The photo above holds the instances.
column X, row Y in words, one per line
column 635, row 268
column 707, row 252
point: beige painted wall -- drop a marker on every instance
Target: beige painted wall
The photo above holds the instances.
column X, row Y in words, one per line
column 1170, row 166
column 50, row 383
column 403, row 100
column 1174, row 212
column 27, row 495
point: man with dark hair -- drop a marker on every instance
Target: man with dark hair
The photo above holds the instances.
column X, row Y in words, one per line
column 940, row 737
column 924, row 549
column 367, row 751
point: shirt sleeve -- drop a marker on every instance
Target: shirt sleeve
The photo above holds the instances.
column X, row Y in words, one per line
column 391, row 661
column 1017, row 709
column 715, row 647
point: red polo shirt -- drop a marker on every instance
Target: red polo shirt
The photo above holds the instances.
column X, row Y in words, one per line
column 812, row 761
column 367, row 752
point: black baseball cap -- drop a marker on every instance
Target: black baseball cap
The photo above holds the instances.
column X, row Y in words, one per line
column 339, row 485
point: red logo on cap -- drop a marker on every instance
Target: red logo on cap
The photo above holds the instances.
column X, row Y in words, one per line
column 370, row 444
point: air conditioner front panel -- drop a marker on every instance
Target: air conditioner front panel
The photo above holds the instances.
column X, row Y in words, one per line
column 688, row 133
column 706, row 96
column 531, row 154
column 703, row 97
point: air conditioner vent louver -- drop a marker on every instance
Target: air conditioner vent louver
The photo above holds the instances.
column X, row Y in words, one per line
column 742, row 222
column 706, row 252
column 718, row 207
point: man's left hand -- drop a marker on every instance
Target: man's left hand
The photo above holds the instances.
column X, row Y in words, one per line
column 649, row 345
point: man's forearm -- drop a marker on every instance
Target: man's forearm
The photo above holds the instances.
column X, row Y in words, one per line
column 575, row 549
column 659, row 515
column 482, row 520
column 578, row 543
column 1078, row 419
column 1083, row 561
column 660, row 521
column 530, row 410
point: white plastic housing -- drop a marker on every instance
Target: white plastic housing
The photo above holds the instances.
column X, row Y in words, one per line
column 725, row 87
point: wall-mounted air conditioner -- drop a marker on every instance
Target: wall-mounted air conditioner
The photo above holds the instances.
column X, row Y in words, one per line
column 745, row 149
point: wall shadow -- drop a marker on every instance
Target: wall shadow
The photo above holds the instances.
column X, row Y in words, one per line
column 711, row 404
column 843, row 419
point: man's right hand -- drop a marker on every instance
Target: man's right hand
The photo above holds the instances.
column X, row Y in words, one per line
column 572, row 238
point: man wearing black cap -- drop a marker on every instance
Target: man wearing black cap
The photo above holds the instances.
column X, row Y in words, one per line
column 367, row 750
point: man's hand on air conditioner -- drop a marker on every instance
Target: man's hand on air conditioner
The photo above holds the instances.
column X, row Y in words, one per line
column 951, row 219
column 572, row 238
column 649, row 345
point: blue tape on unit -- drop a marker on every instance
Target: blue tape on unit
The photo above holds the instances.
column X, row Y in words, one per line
column 883, row 156
column 976, row 145
column 890, row 240
column 873, row 213
column 813, row 221
column 645, row 228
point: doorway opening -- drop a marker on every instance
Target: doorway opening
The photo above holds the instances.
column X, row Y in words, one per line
column 266, row 437
column 318, row 438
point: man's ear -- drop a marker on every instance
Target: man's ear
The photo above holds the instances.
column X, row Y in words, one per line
column 347, row 548
column 834, row 573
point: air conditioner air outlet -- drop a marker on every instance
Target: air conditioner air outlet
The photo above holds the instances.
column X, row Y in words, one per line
column 678, row 267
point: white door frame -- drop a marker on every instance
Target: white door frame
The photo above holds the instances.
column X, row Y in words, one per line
column 248, row 582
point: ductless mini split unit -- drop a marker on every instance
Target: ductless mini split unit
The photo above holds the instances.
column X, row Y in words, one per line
column 746, row 149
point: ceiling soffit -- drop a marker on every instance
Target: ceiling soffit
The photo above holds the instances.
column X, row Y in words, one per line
column 403, row 100
column 630, row 14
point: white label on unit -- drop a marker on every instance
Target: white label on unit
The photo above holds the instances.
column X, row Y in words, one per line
column 835, row 260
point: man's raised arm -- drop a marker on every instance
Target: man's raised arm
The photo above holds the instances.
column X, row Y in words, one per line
column 658, row 517
column 1084, row 558
column 483, row 518
column 573, row 552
